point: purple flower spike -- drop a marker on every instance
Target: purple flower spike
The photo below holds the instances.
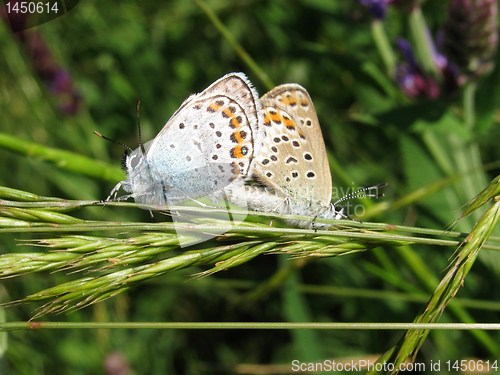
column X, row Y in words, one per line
column 470, row 35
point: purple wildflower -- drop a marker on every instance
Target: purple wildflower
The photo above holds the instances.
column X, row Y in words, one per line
column 410, row 77
column 470, row 35
column 414, row 82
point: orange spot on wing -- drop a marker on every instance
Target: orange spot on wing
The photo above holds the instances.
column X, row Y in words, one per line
column 288, row 123
column 239, row 151
column 232, row 116
column 267, row 120
column 275, row 118
column 289, row 101
column 214, row 107
column 237, row 136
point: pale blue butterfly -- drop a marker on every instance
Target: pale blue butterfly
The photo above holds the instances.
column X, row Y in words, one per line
column 208, row 144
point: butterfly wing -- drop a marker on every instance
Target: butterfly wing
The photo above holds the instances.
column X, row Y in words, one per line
column 293, row 160
column 209, row 142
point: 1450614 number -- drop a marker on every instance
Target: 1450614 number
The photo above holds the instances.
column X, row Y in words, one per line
column 32, row 7
column 472, row 365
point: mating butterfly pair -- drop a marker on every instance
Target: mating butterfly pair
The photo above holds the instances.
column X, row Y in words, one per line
column 267, row 154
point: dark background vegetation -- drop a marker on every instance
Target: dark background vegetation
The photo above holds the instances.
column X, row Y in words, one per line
column 161, row 52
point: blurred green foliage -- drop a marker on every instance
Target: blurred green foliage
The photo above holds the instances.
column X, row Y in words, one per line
column 117, row 52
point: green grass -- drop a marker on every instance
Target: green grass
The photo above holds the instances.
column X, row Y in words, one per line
column 400, row 265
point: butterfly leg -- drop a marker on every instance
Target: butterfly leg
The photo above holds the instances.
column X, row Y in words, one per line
column 114, row 192
column 286, row 199
column 202, row 204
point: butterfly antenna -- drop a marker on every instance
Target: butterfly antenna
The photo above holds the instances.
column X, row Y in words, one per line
column 139, row 126
column 361, row 193
column 112, row 140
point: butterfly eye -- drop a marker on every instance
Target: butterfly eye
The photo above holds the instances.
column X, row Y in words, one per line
column 134, row 160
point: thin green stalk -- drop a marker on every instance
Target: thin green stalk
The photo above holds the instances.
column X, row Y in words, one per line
column 468, row 105
column 63, row 159
column 466, row 152
column 384, row 47
column 439, row 152
column 11, row 326
column 423, row 41
column 469, row 96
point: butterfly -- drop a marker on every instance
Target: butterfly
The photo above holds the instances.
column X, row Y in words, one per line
column 291, row 174
column 208, row 144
